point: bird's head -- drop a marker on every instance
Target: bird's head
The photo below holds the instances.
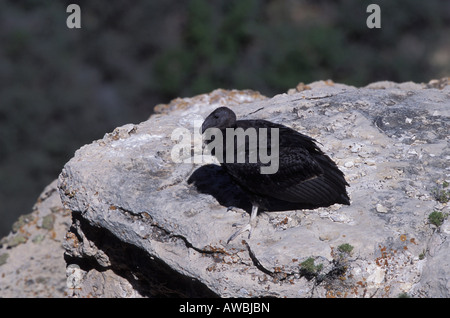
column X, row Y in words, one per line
column 221, row 118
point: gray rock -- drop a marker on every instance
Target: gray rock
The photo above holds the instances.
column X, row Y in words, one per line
column 435, row 279
column 144, row 225
column 31, row 256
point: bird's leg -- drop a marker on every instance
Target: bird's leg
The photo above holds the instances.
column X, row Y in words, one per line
column 248, row 227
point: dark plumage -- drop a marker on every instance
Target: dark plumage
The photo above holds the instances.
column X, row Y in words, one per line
column 306, row 178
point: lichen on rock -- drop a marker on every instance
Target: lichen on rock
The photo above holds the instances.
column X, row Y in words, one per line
column 125, row 220
column 391, row 141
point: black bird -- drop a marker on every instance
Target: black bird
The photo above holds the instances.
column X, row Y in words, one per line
column 305, row 177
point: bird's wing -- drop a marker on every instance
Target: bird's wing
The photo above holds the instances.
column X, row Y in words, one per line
column 288, row 137
column 305, row 174
column 300, row 178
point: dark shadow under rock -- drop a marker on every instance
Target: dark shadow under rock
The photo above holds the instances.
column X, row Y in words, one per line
column 148, row 275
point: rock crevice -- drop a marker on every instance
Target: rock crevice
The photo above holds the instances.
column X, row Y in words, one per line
column 133, row 222
column 391, row 141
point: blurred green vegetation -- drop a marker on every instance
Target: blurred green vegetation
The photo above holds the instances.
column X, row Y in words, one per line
column 61, row 88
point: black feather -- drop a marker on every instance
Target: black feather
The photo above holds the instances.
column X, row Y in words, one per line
column 306, row 177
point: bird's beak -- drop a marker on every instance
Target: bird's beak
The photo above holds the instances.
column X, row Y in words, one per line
column 205, row 125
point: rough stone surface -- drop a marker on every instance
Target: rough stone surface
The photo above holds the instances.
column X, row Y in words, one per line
column 144, row 225
column 31, row 256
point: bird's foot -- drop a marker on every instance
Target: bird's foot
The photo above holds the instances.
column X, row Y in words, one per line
column 251, row 224
column 243, row 229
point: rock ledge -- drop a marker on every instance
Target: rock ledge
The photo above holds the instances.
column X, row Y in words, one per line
column 155, row 227
column 134, row 223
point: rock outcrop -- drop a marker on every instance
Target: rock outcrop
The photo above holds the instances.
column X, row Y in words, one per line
column 32, row 256
column 149, row 219
column 145, row 225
